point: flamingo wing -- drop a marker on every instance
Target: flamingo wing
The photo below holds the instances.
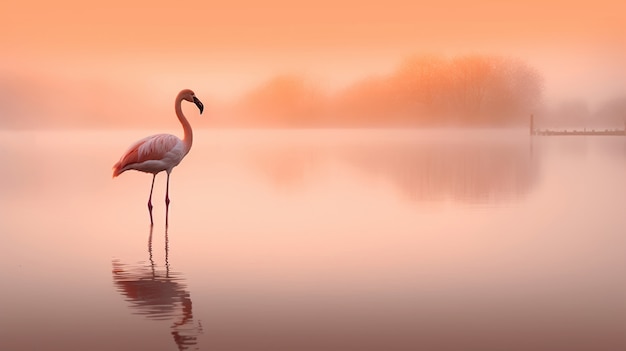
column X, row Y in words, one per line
column 153, row 154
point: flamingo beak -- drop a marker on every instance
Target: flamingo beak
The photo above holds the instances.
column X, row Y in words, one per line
column 199, row 104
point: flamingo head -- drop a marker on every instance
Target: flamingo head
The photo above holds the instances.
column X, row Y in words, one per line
column 190, row 96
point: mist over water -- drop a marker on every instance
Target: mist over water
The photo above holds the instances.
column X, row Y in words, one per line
column 316, row 239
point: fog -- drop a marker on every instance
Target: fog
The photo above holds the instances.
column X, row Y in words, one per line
column 420, row 91
column 120, row 64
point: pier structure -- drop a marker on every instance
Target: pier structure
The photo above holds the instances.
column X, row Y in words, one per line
column 565, row 132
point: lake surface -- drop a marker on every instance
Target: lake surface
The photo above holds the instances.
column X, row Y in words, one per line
column 315, row 240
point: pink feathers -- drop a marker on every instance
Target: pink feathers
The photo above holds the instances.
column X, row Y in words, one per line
column 151, row 155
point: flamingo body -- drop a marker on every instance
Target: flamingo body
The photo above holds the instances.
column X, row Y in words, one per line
column 153, row 154
column 161, row 152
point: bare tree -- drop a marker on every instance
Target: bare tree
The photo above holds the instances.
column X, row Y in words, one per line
column 424, row 90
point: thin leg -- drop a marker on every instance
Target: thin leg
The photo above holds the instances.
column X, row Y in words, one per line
column 167, row 199
column 167, row 252
column 150, row 200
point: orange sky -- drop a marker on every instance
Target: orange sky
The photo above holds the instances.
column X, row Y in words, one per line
column 223, row 47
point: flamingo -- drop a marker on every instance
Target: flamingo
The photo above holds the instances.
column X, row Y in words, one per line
column 160, row 152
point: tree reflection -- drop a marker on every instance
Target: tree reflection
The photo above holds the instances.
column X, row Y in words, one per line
column 470, row 171
column 462, row 172
column 159, row 294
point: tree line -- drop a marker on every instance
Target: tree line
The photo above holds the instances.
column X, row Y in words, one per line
column 422, row 91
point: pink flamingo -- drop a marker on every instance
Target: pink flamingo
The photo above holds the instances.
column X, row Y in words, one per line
column 160, row 152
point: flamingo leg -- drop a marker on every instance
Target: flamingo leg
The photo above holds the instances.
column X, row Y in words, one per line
column 167, row 199
column 150, row 200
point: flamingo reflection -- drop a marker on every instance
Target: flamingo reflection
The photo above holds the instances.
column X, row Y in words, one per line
column 159, row 294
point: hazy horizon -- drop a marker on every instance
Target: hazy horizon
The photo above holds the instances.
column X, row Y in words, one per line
column 149, row 50
column 40, row 101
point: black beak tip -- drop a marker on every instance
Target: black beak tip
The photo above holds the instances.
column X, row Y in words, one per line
column 199, row 104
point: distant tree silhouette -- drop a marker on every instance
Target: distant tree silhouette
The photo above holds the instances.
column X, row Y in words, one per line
column 422, row 91
column 420, row 83
column 286, row 100
column 430, row 90
column 366, row 103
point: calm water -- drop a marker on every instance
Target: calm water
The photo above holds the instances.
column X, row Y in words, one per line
column 315, row 240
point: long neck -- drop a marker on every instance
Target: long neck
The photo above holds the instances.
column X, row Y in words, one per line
column 188, row 138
